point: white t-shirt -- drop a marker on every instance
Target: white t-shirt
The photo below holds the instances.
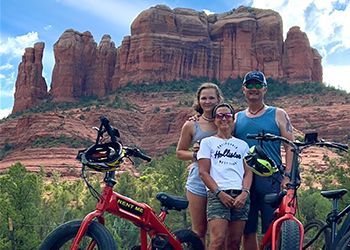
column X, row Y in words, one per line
column 226, row 157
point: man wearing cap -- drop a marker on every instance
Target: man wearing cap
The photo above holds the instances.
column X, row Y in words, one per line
column 255, row 119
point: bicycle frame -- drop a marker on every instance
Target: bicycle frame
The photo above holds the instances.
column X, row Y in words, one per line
column 141, row 214
column 345, row 227
column 287, row 208
column 333, row 218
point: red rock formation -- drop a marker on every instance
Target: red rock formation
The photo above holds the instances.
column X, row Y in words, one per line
column 179, row 44
column 168, row 44
column 75, row 55
column 300, row 62
column 106, row 55
column 31, row 87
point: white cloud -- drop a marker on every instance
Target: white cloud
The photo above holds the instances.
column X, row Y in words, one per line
column 9, row 80
column 208, row 12
column 324, row 25
column 48, row 27
column 14, row 46
column 7, row 66
column 7, row 93
column 334, row 75
column 4, row 113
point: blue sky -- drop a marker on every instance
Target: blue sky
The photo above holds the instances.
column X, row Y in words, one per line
column 23, row 23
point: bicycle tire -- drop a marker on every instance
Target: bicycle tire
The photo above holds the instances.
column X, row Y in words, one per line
column 311, row 229
column 267, row 247
column 344, row 243
column 188, row 240
column 289, row 237
column 62, row 237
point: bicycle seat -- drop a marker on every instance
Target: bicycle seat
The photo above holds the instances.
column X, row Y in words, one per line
column 274, row 199
column 334, row 194
column 172, row 202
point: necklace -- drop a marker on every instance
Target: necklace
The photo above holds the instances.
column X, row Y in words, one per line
column 255, row 112
column 207, row 119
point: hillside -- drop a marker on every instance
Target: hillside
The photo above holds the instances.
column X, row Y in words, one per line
column 150, row 119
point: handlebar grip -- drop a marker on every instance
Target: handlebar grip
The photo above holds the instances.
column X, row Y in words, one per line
column 139, row 154
column 252, row 136
column 112, row 132
column 342, row 146
column 135, row 152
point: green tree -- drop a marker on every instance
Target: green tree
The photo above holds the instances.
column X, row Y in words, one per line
column 20, row 200
column 336, row 176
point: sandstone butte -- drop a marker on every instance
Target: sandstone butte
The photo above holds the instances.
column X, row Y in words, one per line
column 164, row 45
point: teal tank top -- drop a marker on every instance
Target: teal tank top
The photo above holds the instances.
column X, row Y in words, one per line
column 264, row 123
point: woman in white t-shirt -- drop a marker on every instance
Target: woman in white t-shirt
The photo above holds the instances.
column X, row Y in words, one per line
column 227, row 178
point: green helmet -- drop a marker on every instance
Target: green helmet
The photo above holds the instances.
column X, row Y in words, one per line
column 259, row 162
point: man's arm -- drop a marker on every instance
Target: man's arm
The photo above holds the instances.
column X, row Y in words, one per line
column 286, row 130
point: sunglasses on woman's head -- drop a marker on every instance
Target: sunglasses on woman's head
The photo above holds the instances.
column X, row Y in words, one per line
column 222, row 115
column 256, row 85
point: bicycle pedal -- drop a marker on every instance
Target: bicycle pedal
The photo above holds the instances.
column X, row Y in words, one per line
column 159, row 242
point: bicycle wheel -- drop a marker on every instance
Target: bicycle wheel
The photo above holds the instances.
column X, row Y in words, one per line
column 344, row 243
column 63, row 236
column 289, row 237
column 188, row 239
column 312, row 228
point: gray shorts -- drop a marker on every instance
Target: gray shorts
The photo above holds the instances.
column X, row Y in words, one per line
column 194, row 183
column 217, row 210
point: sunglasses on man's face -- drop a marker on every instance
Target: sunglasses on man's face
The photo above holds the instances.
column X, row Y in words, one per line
column 221, row 116
column 256, row 85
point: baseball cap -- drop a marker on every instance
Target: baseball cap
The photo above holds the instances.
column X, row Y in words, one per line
column 255, row 75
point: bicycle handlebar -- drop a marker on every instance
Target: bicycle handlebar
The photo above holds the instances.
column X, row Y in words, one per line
column 137, row 153
column 112, row 132
column 114, row 135
column 298, row 144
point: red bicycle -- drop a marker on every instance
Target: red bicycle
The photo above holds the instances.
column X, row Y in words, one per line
column 286, row 232
column 90, row 233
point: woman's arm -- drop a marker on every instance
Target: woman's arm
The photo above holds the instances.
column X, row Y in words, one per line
column 184, row 144
column 204, row 174
column 246, row 183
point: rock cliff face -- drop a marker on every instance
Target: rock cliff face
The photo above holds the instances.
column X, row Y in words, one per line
column 300, row 61
column 172, row 44
column 153, row 125
column 81, row 67
column 31, row 86
column 168, row 44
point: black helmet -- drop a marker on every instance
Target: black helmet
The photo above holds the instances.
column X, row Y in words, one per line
column 103, row 157
column 259, row 162
column 255, row 75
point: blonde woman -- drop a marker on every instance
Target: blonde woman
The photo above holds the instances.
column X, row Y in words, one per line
column 193, row 131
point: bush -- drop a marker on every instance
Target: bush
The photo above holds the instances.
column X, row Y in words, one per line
column 50, row 142
column 5, row 150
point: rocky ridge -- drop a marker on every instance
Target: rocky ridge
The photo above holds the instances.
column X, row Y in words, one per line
column 153, row 124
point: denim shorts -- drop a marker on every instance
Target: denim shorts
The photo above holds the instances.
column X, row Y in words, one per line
column 217, row 210
column 194, row 183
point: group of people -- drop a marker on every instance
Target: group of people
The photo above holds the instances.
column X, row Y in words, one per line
column 224, row 195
